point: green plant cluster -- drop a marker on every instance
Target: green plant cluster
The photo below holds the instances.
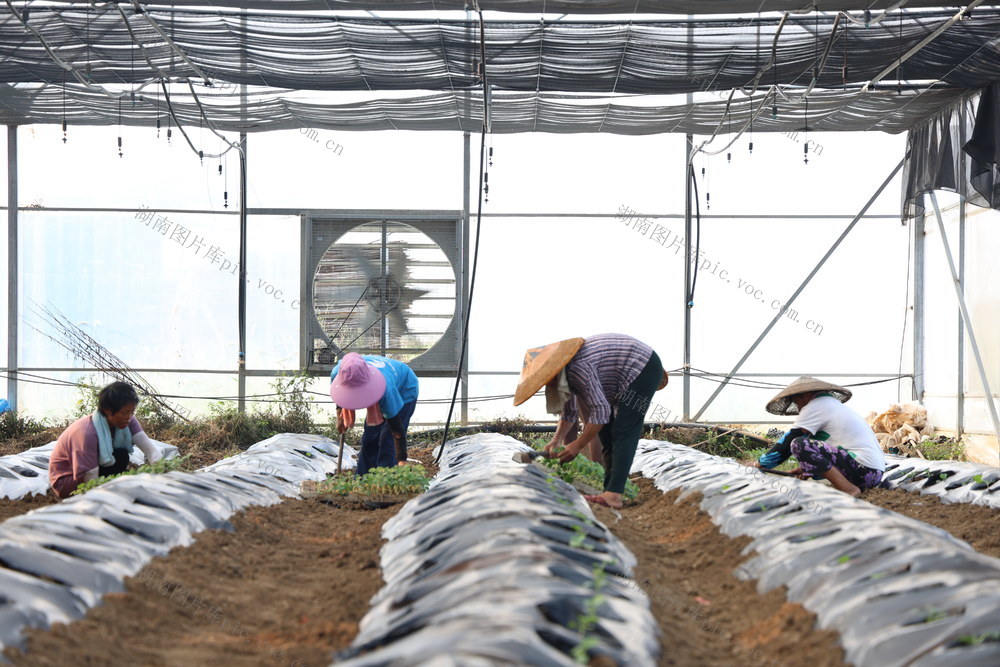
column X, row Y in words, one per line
column 754, row 454
column 587, row 471
column 399, row 480
column 733, row 445
column 160, row 467
column 16, row 425
column 942, row 449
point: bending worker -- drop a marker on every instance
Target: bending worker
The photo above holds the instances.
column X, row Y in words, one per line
column 614, row 377
column 99, row 445
column 828, row 439
column 388, row 390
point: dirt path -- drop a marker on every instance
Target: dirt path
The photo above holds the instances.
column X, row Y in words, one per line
column 707, row 615
column 288, row 587
column 9, row 508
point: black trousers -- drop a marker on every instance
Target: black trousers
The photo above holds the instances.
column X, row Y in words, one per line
column 118, row 467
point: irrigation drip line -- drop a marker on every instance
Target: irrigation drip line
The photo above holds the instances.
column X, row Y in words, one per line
column 257, row 398
column 762, row 384
column 479, row 221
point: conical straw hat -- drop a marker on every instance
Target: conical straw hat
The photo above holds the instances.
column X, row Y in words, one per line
column 541, row 364
column 782, row 404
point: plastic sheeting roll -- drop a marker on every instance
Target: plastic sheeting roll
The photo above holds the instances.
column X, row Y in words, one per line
column 501, row 563
column 60, row 560
column 951, row 481
column 899, row 591
column 27, row 473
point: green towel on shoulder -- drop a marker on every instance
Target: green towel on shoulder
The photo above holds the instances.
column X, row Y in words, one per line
column 105, row 443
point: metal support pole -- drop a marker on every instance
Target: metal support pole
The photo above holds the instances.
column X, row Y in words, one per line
column 12, row 267
column 784, row 308
column 688, row 194
column 990, row 403
column 960, row 394
column 688, row 205
column 919, row 245
column 466, row 207
column 242, row 362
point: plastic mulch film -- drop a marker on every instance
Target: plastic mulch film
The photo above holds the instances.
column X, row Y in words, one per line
column 500, row 563
column 59, row 560
column 27, row 473
column 951, row 481
column 897, row 590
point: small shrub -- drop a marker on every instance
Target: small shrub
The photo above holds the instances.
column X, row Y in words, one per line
column 707, row 440
column 15, row 425
column 942, row 449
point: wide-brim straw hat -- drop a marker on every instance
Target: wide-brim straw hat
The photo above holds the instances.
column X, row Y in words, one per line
column 782, row 404
column 542, row 364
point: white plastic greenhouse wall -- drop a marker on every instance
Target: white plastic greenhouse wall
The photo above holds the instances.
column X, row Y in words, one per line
column 161, row 303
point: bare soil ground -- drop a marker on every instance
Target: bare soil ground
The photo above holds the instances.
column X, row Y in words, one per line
column 707, row 616
column 290, row 584
column 287, row 587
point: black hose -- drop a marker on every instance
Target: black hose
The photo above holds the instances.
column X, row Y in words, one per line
column 550, row 428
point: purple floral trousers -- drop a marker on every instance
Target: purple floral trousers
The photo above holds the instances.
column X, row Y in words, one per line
column 815, row 457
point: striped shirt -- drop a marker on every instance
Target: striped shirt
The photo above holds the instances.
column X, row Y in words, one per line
column 601, row 371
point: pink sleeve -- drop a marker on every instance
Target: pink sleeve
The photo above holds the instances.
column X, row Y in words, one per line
column 83, row 450
column 134, row 426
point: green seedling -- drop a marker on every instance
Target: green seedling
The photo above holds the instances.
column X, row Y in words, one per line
column 399, row 480
column 158, row 468
column 587, row 471
column 976, row 640
column 588, row 619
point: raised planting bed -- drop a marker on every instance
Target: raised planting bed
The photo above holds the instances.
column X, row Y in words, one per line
column 285, row 588
column 59, row 560
column 951, row 481
column 502, row 563
column 897, row 590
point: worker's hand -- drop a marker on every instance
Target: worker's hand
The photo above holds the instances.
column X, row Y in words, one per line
column 798, row 473
column 341, row 426
column 571, row 452
column 549, row 450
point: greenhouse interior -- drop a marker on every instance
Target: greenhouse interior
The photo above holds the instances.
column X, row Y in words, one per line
column 509, row 220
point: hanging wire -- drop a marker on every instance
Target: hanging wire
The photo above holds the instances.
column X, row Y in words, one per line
column 899, row 56
column 843, row 69
column 479, row 220
column 697, row 244
column 119, row 127
column 906, row 314
column 64, row 106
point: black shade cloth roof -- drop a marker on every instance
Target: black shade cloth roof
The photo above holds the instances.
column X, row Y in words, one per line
column 563, row 6
column 330, row 53
column 103, row 53
column 881, row 110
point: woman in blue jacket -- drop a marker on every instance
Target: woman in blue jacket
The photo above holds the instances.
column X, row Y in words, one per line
column 388, row 390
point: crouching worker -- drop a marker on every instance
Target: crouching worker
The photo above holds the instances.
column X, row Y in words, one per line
column 99, row 445
column 388, row 390
column 828, row 439
column 613, row 378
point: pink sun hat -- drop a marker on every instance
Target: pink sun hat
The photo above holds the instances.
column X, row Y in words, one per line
column 358, row 384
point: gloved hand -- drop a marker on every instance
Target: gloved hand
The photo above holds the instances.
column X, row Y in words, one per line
column 345, row 419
